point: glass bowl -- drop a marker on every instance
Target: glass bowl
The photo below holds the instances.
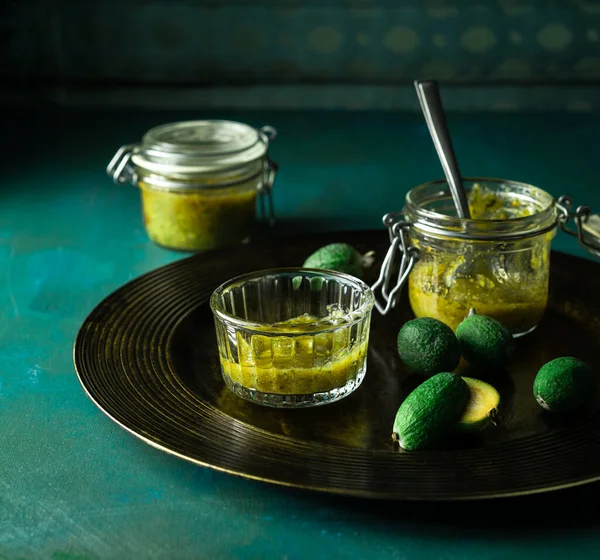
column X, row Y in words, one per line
column 293, row 337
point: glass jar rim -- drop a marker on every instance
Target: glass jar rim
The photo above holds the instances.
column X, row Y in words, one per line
column 545, row 219
column 187, row 183
column 356, row 316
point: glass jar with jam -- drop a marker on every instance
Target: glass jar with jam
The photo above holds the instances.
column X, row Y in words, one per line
column 293, row 337
column 200, row 181
column 497, row 262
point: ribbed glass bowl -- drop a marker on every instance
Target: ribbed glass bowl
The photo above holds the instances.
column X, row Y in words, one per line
column 290, row 338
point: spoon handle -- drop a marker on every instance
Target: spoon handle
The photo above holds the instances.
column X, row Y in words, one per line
column 433, row 110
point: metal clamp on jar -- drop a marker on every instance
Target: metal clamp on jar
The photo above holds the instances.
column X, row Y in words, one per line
column 200, row 181
column 497, row 261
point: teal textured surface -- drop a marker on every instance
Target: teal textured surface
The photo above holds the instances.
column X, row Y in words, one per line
column 74, row 485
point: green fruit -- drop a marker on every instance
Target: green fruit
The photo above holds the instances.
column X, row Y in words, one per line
column 564, row 385
column 431, row 410
column 482, row 406
column 485, row 342
column 340, row 257
column 427, row 346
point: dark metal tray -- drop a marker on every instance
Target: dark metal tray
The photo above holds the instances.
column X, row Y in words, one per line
column 147, row 357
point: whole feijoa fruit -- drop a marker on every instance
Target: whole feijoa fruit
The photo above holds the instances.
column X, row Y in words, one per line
column 428, row 346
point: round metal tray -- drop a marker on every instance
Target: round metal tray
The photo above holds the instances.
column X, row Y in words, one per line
column 147, row 357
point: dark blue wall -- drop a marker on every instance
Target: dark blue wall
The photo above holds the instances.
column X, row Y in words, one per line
column 276, row 52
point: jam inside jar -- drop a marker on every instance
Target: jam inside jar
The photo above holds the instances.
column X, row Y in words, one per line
column 200, row 182
column 497, row 262
column 200, row 218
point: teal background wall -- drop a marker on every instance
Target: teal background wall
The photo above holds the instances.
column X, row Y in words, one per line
column 492, row 54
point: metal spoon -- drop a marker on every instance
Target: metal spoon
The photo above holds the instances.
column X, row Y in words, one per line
column 433, row 110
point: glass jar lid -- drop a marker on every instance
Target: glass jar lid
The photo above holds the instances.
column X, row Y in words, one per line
column 200, row 147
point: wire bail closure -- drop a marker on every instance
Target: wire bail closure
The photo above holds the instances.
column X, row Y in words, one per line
column 584, row 220
column 120, row 168
column 398, row 228
column 267, row 209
